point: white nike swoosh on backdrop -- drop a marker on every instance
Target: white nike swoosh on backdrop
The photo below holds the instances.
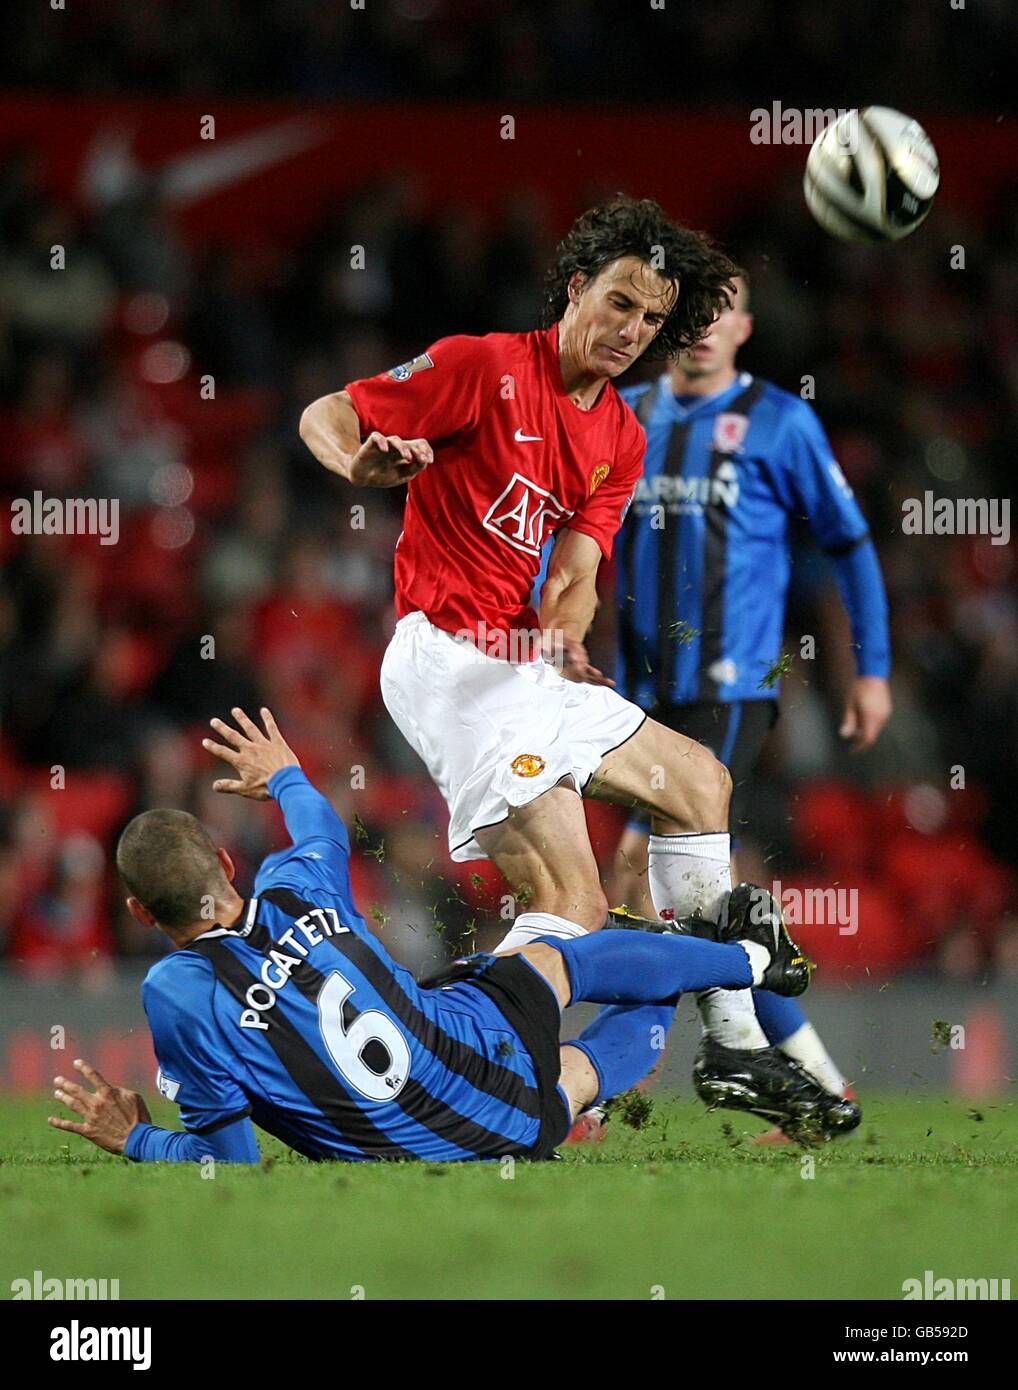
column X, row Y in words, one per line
column 522, row 438
column 109, row 168
column 195, row 175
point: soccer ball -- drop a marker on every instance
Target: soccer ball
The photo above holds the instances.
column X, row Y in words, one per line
column 871, row 175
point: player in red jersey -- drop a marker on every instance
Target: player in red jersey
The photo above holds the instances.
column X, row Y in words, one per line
column 504, row 440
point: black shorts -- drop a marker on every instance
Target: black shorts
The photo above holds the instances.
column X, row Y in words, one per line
column 734, row 732
column 529, row 1007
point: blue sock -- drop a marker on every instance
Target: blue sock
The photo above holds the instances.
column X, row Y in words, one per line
column 623, row 1044
column 629, row 967
column 779, row 1017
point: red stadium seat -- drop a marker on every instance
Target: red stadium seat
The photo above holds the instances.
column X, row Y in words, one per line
column 832, row 824
column 947, row 879
column 94, row 802
column 884, row 938
column 605, row 824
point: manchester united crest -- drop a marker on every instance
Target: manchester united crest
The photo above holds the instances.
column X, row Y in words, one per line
column 598, row 476
column 528, row 765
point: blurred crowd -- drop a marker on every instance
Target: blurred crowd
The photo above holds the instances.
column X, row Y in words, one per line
column 172, row 375
column 732, row 51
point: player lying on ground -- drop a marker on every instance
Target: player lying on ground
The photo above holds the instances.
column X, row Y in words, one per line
column 285, row 1010
column 503, row 441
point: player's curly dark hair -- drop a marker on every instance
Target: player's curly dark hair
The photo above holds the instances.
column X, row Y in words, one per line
column 639, row 227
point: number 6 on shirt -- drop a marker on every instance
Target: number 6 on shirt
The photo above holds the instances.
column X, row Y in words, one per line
column 348, row 1045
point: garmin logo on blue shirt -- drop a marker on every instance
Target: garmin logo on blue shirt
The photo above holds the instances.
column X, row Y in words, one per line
column 678, row 494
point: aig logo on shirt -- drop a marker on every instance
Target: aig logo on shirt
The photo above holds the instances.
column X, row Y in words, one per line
column 523, row 514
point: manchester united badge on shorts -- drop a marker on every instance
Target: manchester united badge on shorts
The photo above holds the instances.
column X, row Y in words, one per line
column 527, row 765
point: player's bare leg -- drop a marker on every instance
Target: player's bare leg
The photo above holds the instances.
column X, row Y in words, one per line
column 679, row 781
column 686, row 791
column 628, row 882
column 578, row 1080
column 544, row 851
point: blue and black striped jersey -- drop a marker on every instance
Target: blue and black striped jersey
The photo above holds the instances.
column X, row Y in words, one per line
column 298, row 1018
column 703, row 558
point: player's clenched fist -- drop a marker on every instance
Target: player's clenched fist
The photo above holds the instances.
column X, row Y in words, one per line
column 254, row 755
column 386, row 460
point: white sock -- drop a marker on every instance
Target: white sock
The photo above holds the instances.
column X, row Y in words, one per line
column 530, row 925
column 690, row 873
column 694, row 872
column 759, row 958
column 805, row 1047
column 728, row 1016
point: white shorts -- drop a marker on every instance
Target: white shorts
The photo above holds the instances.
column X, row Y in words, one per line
column 493, row 734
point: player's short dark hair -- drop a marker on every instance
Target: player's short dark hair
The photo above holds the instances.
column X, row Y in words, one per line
column 639, row 227
column 168, row 862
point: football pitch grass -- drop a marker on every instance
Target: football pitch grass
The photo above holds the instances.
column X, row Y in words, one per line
column 685, row 1207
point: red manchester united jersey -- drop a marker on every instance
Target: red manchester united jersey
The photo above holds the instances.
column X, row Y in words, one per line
column 515, row 460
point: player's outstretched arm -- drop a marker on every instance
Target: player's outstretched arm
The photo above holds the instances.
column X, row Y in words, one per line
column 254, row 754
column 267, row 766
column 332, row 431
column 233, row 1143
column 118, row 1121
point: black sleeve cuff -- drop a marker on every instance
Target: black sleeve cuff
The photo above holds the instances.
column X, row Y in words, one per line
column 221, row 1124
column 837, row 550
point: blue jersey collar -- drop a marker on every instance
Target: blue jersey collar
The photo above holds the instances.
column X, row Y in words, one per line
column 702, row 405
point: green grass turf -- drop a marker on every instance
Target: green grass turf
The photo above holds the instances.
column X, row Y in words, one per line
column 686, row 1206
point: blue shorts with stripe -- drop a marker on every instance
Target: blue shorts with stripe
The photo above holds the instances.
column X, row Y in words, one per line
column 506, row 1012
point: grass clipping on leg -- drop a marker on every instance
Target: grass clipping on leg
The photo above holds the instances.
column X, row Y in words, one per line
column 634, row 1108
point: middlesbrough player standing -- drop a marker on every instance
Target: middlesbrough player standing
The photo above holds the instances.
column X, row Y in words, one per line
column 504, row 440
